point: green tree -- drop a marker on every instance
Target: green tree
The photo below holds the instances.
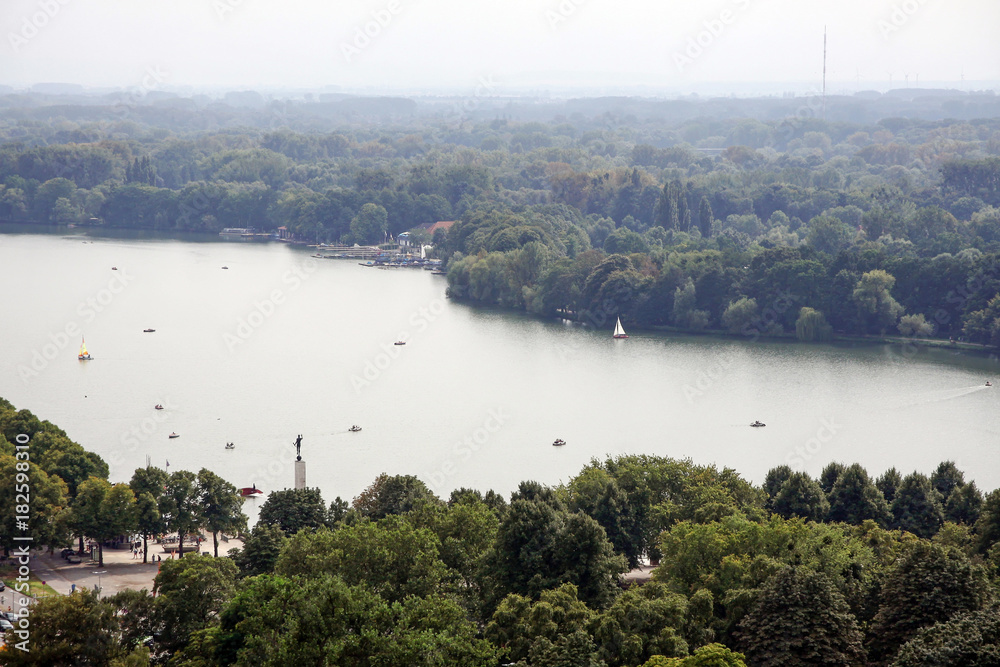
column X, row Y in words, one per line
column 705, row 218
column 964, row 504
column 393, row 494
column 988, row 525
column 774, row 479
column 221, row 506
column 644, row 621
column 149, row 485
column 77, row 629
column 854, row 498
column 888, row 483
column 539, row 547
column 915, row 326
column 47, row 512
column 801, row 496
column 274, row 622
column 293, row 510
column 917, row 507
column 370, row 224
column 260, row 551
column 873, row 298
column 811, row 325
column 103, row 512
column 946, row 478
column 828, row 477
column 180, row 508
column 740, row 315
column 519, row 623
column 391, row 557
column 929, row 584
column 799, row 618
column 190, row 594
column 967, row 639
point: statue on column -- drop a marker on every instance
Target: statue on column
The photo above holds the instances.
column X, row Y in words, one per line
column 298, row 448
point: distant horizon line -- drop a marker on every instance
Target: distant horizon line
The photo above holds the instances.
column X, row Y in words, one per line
column 842, row 87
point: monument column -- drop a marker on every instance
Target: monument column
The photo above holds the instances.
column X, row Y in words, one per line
column 300, row 465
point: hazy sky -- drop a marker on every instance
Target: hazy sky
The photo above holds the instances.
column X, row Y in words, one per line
column 496, row 45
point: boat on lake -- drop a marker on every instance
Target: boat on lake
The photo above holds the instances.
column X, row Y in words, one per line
column 83, row 355
column 157, row 407
column 758, row 424
column 559, row 442
column 174, row 435
column 354, row 429
column 230, row 445
column 400, row 342
column 148, row 330
column 251, row 491
column 619, row 330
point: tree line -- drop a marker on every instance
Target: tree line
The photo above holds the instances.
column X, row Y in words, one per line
column 843, row 569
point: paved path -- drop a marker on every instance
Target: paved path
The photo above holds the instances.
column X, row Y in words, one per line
column 120, row 571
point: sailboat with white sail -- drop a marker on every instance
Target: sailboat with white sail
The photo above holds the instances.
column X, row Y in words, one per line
column 619, row 330
column 84, row 355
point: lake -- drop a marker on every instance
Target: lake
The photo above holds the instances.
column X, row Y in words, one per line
column 281, row 344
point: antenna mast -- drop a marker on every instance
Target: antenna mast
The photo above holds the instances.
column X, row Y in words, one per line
column 824, row 72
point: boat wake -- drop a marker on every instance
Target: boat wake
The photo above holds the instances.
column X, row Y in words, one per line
column 939, row 396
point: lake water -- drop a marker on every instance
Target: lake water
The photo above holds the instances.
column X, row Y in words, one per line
column 280, row 344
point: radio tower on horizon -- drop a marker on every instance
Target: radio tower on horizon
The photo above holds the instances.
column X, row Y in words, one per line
column 824, row 73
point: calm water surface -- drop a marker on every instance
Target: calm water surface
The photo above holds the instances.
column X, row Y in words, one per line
column 280, row 344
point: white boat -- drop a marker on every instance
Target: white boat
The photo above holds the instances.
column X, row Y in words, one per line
column 619, row 330
column 84, row 355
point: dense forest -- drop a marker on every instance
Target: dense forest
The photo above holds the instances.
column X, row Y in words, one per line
column 759, row 217
column 843, row 569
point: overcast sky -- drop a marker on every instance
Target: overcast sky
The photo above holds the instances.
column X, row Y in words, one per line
column 498, row 45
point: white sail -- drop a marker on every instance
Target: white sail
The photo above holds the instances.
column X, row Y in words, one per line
column 619, row 330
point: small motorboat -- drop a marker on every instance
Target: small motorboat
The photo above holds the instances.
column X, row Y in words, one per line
column 758, row 424
column 559, row 442
column 354, row 429
column 230, row 445
column 400, row 342
column 225, row 267
column 174, row 435
column 157, row 407
column 148, row 330
column 251, row 491
column 114, row 268
column 989, row 384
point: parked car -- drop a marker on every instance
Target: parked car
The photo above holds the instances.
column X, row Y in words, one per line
column 74, row 559
column 5, row 625
column 9, row 616
column 66, row 553
column 3, row 586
